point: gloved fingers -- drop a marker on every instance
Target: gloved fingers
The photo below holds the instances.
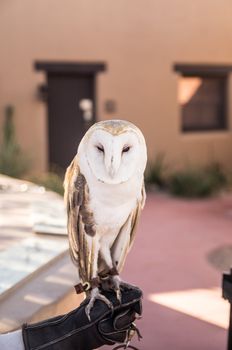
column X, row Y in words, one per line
column 124, row 319
column 108, row 332
column 129, row 296
column 118, row 326
column 138, row 308
column 135, row 306
column 118, row 322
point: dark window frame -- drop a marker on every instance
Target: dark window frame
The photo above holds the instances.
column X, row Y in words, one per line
column 209, row 72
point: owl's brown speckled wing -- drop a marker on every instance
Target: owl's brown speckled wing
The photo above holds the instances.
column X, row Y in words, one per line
column 81, row 226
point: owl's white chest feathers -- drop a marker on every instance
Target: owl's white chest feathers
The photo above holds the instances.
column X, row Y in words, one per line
column 112, row 204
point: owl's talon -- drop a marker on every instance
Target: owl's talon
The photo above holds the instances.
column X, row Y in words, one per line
column 87, row 311
column 118, row 295
column 95, row 294
column 116, row 282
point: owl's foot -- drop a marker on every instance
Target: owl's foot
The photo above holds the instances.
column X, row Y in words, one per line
column 119, row 285
column 95, row 294
column 116, row 283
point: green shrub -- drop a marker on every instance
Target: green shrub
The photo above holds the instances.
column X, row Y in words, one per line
column 217, row 175
column 229, row 180
column 194, row 183
column 51, row 181
column 156, row 172
column 12, row 161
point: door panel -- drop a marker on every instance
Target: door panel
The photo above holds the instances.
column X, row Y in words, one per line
column 66, row 124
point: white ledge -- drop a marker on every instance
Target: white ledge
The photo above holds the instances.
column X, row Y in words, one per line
column 47, row 293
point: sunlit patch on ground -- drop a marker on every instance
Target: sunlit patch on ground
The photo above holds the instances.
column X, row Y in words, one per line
column 204, row 304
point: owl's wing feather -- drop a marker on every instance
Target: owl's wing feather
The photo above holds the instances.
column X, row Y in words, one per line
column 136, row 214
column 80, row 220
column 125, row 238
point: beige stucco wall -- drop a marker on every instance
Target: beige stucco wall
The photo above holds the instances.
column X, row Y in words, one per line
column 140, row 41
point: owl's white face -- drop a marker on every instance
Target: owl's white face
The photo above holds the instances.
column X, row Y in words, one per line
column 114, row 159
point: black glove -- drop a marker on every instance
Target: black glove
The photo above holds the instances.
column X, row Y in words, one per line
column 74, row 331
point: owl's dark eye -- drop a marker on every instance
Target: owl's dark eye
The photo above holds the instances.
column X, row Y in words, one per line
column 126, row 149
column 100, row 148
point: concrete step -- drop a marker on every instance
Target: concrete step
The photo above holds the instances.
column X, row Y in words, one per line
column 23, row 259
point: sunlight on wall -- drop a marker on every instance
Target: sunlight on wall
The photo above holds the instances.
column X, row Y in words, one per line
column 187, row 87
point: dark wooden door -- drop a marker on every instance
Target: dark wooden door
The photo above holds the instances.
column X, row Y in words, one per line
column 66, row 124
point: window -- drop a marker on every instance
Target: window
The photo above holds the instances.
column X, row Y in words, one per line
column 202, row 98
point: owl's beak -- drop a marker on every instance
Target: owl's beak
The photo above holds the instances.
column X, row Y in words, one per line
column 111, row 172
column 112, row 166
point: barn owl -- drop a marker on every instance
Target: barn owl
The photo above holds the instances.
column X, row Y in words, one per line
column 104, row 194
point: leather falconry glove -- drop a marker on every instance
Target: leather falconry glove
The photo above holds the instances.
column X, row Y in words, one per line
column 74, row 331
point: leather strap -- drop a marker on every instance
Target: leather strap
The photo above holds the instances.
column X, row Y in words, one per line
column 94, row 282
column 83, row 287
column 79, row 288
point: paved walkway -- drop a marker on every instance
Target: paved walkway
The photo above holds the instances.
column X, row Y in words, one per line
column 183, row 308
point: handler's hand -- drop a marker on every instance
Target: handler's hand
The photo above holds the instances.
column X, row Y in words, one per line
column 74, row 331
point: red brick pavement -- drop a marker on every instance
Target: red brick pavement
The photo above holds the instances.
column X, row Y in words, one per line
column 169, row 255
